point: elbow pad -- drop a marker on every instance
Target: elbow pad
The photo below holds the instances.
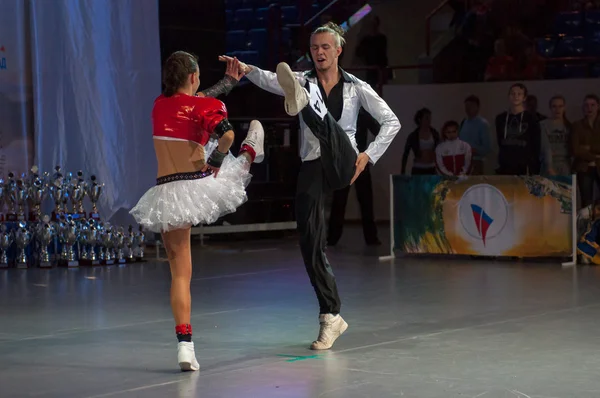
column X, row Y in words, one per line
column 223, row 127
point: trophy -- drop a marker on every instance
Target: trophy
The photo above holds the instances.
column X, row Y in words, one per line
column 107, row 257
column 77, row 193
column 22, row 194
column 94, row 190
column 57, row 192
column 2, row 199
column 69, row 236
column 10, row 193
column 22, row 238
column 37, row 194
column 6, row 240
column 119, row 243
column 129, row 242
column 45, row 235
column 92, row 238
column 140, row 243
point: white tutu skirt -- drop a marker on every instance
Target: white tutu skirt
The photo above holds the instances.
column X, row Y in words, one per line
column 180, row 204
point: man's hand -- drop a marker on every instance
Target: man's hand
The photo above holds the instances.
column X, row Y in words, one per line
column 243, row 68
column 361, row 163
column 234, row 69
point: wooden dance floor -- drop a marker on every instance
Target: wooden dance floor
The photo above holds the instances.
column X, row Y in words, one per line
column 419, row 328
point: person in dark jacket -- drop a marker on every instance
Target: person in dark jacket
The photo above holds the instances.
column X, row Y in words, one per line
column 422, row 142
column 519, row 136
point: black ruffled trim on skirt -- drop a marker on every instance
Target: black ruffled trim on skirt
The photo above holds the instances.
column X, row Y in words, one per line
column 193, row 175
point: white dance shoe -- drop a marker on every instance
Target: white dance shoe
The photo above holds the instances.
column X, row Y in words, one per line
column 186, row 356
column 332, row 327
column 296, row 96
column 255, row 139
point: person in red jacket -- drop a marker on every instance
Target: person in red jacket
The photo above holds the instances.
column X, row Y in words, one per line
column 198, row 179
column 453, row 156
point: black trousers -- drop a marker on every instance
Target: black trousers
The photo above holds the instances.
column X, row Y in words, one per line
column 587, row 181
column 364, row 194
column 317, row 179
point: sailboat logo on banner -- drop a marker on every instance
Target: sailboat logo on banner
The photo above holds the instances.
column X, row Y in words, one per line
column 483, row 213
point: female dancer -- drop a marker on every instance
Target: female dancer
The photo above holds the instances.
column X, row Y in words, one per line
column 197, row 183
column 556, row 151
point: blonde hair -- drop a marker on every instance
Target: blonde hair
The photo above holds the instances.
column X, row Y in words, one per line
column 335, row 30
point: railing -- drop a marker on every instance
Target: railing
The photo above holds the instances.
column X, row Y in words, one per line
column 428, row 18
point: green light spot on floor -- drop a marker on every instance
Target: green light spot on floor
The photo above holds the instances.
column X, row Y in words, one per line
column 294, row 358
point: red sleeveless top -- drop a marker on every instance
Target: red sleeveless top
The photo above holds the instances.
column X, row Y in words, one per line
column 187, row 117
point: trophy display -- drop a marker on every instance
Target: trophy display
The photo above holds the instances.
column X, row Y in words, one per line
column 22, row 239
column 6, row 241
column 45, row 236
column 70, row 236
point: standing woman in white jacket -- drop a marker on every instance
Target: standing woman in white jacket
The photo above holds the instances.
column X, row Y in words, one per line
column 453, row 156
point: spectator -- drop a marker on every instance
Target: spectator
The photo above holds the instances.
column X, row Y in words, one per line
column 533, row 65
column 500, row 66
column 372, row 50
column 422, row 143
column 475, row 131
column 585, row 145
column 556, row 151
column 453, row 156
column 518, row 134
column 531, row 104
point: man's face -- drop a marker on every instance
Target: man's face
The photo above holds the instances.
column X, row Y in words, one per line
column 324, row 51
column 590, row 107
column 531, row 104
column 471, row 108
column 516, row 96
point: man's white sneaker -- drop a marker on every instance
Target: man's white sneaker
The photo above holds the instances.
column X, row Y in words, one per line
column 255, row 139
column 332, row 327
column 296, row 96
column 186, row 356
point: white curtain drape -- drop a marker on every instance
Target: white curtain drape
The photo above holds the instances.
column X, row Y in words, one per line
column 16, row 109
column 95, row 73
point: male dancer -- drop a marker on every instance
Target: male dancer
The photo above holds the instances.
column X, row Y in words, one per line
column 330, row 159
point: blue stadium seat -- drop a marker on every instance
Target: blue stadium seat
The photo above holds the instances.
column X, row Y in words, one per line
column 233, row 4
column 229, row 20
column 236, row 40
column 286, row 36
column 576, row 71
column 254, row 3
column 261, row 16
column 592, row 22
column 250, row 57
column 593, row 47
column 569, row 23
column 244, row 18
column 545, row 46
column 289, row 15
column 258, row 40
column 570, row 46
